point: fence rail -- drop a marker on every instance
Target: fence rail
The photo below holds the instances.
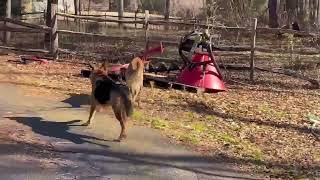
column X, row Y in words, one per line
column 32, row 13
column 27, row 25
column 54, row 32
column 100, row 19
column 188, row 24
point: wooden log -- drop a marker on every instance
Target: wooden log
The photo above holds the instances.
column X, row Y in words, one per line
column 253, row 46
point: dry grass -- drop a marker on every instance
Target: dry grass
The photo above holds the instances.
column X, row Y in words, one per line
column 262, row 127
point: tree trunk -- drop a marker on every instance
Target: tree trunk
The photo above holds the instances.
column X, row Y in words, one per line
column 120, row 11
column 273, row 16
column 76, row 4
column 318, row 13
column 80, row 7
column 291, row 6
column 167, row 13
column 7, row 34
column 48, row 23
column 307, row 14
column 54, row 35
column 301, row 13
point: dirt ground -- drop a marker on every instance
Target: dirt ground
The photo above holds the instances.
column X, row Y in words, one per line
column 262, row 127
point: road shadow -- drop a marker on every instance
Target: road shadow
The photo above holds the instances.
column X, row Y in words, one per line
column 77, row 100
column 217, row 166
column 60, row 130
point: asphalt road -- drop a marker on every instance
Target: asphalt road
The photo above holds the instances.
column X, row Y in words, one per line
column 91, row 152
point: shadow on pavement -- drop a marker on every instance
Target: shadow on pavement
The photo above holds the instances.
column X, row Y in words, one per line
column 57, row 130
column 77, row 100
column 203, row 166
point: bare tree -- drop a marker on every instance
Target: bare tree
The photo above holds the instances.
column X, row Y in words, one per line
column 273, row 16
column 48, row 22
column 76, row 9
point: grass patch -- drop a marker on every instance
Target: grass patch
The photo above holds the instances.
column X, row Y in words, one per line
column 211, row 118
column 199, row 128
column 226, row 138
column 189, row 138
column 271, row 113
column 158, row 123
column 138, row 115
column 247, row 149
column 190, row 115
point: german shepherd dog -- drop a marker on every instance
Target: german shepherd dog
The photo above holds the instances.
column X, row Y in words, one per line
column 106, row 92
column 134, row 78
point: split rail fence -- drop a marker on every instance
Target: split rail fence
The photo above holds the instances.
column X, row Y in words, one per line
column 53, row 32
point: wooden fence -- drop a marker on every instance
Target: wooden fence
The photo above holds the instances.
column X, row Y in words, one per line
column 146, row 21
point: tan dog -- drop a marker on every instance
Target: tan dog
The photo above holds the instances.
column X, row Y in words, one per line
column 134, row 78
column 106, row 92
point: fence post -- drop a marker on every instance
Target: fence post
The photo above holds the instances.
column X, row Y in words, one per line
column 253, row 47
column 7, row 34
column 44, row 16
column 54, row 26
column 105, row 18
column 120, row 12
column 135, row 18
column 146, row 22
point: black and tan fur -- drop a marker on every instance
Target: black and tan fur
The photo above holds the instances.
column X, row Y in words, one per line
column 106, row 92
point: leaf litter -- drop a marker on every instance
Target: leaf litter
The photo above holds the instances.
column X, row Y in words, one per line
column 261, row 127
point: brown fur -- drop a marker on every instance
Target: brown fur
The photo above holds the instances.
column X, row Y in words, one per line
column 119, row 100
column 134, row 78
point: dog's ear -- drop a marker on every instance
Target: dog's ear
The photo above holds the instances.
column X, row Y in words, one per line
column 104, row 67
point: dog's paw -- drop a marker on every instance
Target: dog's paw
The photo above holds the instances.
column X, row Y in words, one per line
column 121, row 138
column 86, row 124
